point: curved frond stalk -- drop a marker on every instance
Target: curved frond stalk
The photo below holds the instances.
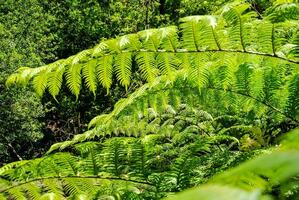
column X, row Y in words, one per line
column 250, row 82
column 244, row 88
column 63, row 174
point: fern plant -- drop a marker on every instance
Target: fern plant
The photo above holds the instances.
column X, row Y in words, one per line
column 215, row 84
column 161, row 51
column 63, row 174
column 253, row 177
column 254, row 93
column 145, row 161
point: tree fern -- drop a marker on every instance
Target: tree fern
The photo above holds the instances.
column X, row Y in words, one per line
column 231, row 33
column 214, row 85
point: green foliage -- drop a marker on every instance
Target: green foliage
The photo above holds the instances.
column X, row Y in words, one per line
column 221, row 90
column 259, row 174
column 147, row 159
column 200, row 34
column 116, row 161
column 36, row 32
column 23, row 41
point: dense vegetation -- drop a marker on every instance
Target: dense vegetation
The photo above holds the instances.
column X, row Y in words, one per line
column 208, row 100
column 36, row 32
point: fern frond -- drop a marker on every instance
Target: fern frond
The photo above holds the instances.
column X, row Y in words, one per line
column 191, row 33
column 73, row 78
column 283, row 11
column 130, row 42
column 237, row 17
column 33, row 191
column 293, row 98
column 200, row 73
column 54, row 188
column 104, row 71
column 169, row 38
column 147, row 66
column 167, row 63
column 17, row 193
column 80, row 57
column 55, row 80
column 123, row 66
column 89, row 74
column 150, row 39
column 232, row 35
column 266, row 37
column 52, row 196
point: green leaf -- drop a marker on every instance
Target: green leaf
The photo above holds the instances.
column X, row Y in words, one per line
column 90, row 76
column 123, row 64
column 104, row 71
column 216, row 192
column 73, row 78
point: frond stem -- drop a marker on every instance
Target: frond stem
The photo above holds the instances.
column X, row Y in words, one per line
column 238, row 93
column 215, row 51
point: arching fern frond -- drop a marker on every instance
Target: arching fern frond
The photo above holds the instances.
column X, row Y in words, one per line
column 160, row 51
